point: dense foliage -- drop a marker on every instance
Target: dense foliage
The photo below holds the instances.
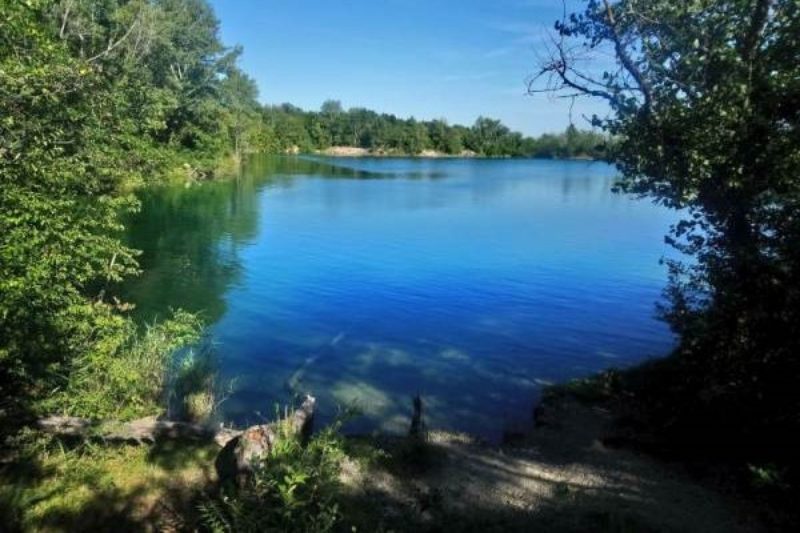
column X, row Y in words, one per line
column 288, row 128
column 97, row 97
column 705, row 100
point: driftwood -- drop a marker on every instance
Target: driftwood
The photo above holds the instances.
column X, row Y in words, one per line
column 150, row 429
column 241, row 449
column 147, row 429
column 239, row 457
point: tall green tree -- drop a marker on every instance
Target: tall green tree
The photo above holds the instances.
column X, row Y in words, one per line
column 705, row 104
column 96, row 97
column 58, row 133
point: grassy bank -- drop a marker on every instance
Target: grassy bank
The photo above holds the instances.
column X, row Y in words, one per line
column 51, row 486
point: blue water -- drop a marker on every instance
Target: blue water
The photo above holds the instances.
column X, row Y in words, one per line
column 472, row 282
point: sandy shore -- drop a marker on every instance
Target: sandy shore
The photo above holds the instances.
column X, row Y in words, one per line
column 354, row 151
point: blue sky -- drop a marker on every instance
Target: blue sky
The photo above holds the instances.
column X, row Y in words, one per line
column 453, row 59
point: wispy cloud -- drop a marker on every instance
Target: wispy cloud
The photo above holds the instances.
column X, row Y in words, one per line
column 518, row 38
column 550, row 5
column 472, row 76
column 522, row 33
column 518, row 90
column 499, row 52
column 516, row 28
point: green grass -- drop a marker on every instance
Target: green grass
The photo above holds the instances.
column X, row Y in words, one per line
column 295, row 487
column 51, row 487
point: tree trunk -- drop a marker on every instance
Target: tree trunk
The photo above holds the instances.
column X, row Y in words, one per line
column 142, row 430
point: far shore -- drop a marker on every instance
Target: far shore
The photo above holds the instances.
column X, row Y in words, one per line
column 356, row 152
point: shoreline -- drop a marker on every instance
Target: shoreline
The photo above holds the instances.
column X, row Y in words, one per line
column 559, row 471
column 354, row 152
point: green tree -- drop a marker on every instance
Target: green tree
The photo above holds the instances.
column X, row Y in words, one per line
column 706, row 114
column 453, row 141
column 238, row 95
column 286, row 126
column 487, row 136
column 57, row 209
column 96, row 98
column 331, row 107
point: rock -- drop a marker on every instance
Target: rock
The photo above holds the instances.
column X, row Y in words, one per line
column 239, row 458
column 302, row 419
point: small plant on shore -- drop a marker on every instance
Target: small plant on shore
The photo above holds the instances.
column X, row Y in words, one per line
column 295, row 488
column 194, row 392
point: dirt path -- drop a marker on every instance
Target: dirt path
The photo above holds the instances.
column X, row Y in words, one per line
column 554, row 479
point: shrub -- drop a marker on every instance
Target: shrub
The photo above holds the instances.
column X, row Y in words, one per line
column 124, row 376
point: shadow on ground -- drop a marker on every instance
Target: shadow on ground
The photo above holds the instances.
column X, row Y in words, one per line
column 558, row 478
column 555, row 478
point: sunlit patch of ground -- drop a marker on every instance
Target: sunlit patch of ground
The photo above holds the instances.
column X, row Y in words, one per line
column 557, row 478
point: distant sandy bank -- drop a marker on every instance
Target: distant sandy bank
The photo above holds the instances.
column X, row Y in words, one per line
column 354, row 151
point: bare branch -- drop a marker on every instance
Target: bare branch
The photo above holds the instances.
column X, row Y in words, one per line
column 114, row 44
column 558, row 66
column 625, row 59
column 64, row 18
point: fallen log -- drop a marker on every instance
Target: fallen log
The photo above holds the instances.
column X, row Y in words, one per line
column 143, row 430
column 241, row 449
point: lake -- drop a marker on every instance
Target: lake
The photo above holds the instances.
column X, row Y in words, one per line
column 472, row 282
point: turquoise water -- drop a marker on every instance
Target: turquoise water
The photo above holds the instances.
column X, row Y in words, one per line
column 472, row 282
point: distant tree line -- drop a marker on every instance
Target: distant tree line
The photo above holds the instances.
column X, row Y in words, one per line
column 288, row 128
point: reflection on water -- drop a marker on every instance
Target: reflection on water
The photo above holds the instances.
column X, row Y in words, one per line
column 472, row 282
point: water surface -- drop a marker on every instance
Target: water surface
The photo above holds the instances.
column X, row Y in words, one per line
column 472, row 282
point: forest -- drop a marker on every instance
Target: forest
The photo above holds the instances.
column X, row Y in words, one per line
column 101, row 98
column 287, row 128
